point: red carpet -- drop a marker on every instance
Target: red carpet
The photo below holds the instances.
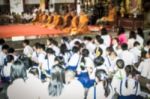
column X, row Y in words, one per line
column 26, row 30
column 8, row 31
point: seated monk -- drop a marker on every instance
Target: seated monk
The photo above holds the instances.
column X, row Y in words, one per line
column 83, row 23
column 111, row 15
column 74, row 23
column 49, row 20
column 44, row 17
column 67, row 23
column 57, row 22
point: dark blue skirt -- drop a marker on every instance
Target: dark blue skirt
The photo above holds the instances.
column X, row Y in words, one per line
column 73, row 68
column 85, row 80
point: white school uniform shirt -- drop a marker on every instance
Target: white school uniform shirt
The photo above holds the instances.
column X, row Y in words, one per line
column 91, row 47
column 35, row 56
column 144, row 68
column 6, row 70
column 100, row 92
column 66, row 57
column 118, row 76
column 107, row 40
column 28, row 51
column 132, row 89
column 127, row 57
column 41, row 57
column 131, row 43
column 48, row 63
column 74, row 60
column 56, row 49
column 110, row 63
column 136, row 52
column 140, row 40
column 88, row 63
column 2, row 57
column 73, row 90
column 0, row 48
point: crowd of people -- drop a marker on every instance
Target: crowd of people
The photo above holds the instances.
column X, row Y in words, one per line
column 99, row 67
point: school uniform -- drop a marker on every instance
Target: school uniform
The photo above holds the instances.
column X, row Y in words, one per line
column 48, row 64
column 110, row 63
column 83, row 75
column 28, row 51
column 72, row 42
column 73, row 62
column 5, row 73
column 107, row 40
column 118, row 76
column 140, row 40
column 91, row 47
column 73, row 90
column 131, row 43
column 127, row 57
column 2, row 58
column 137, row 53
column 66, row 57
column 131, row 92
column 56, row 49
column 98, row 92
column 144, row 68
column 103, row 47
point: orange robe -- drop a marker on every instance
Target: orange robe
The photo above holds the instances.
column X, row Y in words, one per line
column 49, row 21
column 57, row 22
column 111, row 16
column 83, row 24
column 74, row 25
column 67, row 23
column 44, row 18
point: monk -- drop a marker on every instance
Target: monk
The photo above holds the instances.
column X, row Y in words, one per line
column 111, row 15
column 74, row 23
column 57, row 21
column 49, row 20
column 67, row 23
column 44, row 17
column 83, row 23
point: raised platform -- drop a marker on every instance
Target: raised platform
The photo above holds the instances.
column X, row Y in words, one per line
column 15, row 30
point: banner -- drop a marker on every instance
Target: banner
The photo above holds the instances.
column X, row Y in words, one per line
column 16, row 6
column 42, row 5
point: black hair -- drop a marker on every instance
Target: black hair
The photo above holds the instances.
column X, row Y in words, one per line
column 34, row 71
column 100, row 41
column 65, row 39
column 75, row 49
column 143, row 54
column 110, row 49
column 2, row 41
column 140, row 32
column 60, row 60
column 132, row 34
column 148, row 43
column 41, row 46
column 121, row 30
column 104, row 31
column 36, row 45
column 11, row 50
column 26, row 61
column 77, row 43
column 56, row 84
column 124, row 46
column 102, row 76
column 120, row 63
column 27, row 42
column 5, row 47
column 50, row 51
column 136, row 43
column 9, row 58
column 97, row 37
column 18, row 71
column 98, row 61
column 63, row 49
column 85, row 53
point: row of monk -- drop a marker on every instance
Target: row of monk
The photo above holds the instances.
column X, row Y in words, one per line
column 68, row 23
